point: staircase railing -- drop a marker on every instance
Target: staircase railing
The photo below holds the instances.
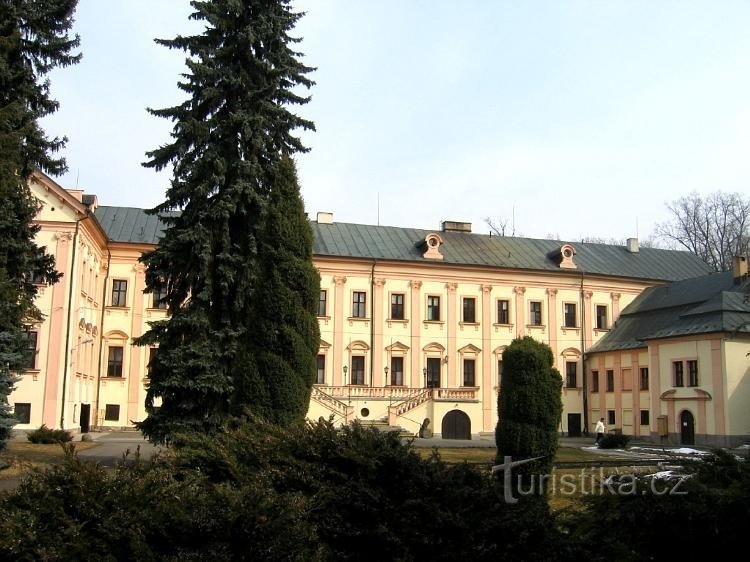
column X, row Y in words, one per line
column 333, row 404
column 412, row 401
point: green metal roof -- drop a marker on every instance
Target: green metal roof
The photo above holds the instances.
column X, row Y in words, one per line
column 359, row 241
column 714, row 303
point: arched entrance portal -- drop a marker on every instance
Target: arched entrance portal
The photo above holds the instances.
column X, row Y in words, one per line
column 687, row 428
column 456, row 425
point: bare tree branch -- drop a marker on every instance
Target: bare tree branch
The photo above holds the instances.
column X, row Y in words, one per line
column 715, row 228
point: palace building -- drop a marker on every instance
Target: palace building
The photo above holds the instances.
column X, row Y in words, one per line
column 413, row 325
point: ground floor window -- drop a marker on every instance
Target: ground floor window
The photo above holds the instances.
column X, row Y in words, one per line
column 22, row 411
column 112, row 412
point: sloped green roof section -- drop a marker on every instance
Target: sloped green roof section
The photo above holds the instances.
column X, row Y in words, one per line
column 406, row 244
column 359, row 241
column 715, row 303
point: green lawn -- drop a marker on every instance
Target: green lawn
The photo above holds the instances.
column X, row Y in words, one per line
column 486, row 455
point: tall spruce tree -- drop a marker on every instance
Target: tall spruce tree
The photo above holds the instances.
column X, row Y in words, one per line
column 529, row 412
column 226, row 347
column 34, row 39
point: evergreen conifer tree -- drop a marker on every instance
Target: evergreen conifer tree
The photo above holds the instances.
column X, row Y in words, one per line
column 33, row 40
column 529, row 411
column 229, row 186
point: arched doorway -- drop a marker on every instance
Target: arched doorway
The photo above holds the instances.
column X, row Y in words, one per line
column 687, row 428
column 456, row 425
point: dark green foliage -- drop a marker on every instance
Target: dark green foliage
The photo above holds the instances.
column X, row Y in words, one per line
column 229, row 192
column 33, row 41
column 529, row 408
column 266, row 493
column 283, row 339
column 704, row 515
column 150, row 511
column 45, row 435
column 614, row 441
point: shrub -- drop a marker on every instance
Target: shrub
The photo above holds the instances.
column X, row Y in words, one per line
column 45, row 436
column 614, row 441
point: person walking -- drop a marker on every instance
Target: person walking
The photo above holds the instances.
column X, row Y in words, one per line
column 600, row 429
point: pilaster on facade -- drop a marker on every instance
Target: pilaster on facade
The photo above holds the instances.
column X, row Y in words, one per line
column 615, row 298
column 520, row 311
column 416, row 315
column 588, row 312
column 488, row 404
column 553, row 330
column 452, row 324
column 338, row 328
column 378, row 375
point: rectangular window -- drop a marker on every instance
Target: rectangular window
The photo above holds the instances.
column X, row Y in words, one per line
column 358, row 369
column 320, row 378
column 535, row 313
column 397, row 371
column 470, row 310
column 601, row 317
column 433, row 372
column 611, row 417
column 503, row 312
column 433, row 308
column 359, row 304
column 571, row 374
column 397, row 306
column 469, row 365
column 159, row 295
column 114, row 362
column 22, row 412
column 499, row 372
column 594, row 381
column 692, row 367
column 610, row 381
column 112, row 412
column 151, row 355
column 31, row 343
column 644, row 378
column 323, row 303
column 677, row 368
column 569, row 310
column 645, row 420
column 119, row 292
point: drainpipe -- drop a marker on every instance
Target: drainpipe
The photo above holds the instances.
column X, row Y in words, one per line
column 67, row 329
column 101, row 337
column 583, row 363
column 372, row 320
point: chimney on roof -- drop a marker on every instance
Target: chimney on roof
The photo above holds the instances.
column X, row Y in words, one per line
column 456, row 226
column 325, row 218
column 77, row 194
column 632, row 245
column 739, row 267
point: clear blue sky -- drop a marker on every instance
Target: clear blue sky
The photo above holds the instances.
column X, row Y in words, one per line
column 579, row 118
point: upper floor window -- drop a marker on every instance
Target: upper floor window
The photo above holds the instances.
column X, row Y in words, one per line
column 159, row 295
column 610, row 381
column 119, row 292
column 570, row 319
column 470, row 305
column 571, row 374
column 602, row 323
column 503, row 312
column 433, row 308
column 594, row 381
column 535, row 313
column 31, row 343
column 359, row 304
column 358, row 369
column 397, row 371
column 692, row 367
column 323, row 303
column 644, row 378
column 321, row 375
column 678, row 371
column 114, row 362
column 469, row 366
column 152, row 351
column 397, row 306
